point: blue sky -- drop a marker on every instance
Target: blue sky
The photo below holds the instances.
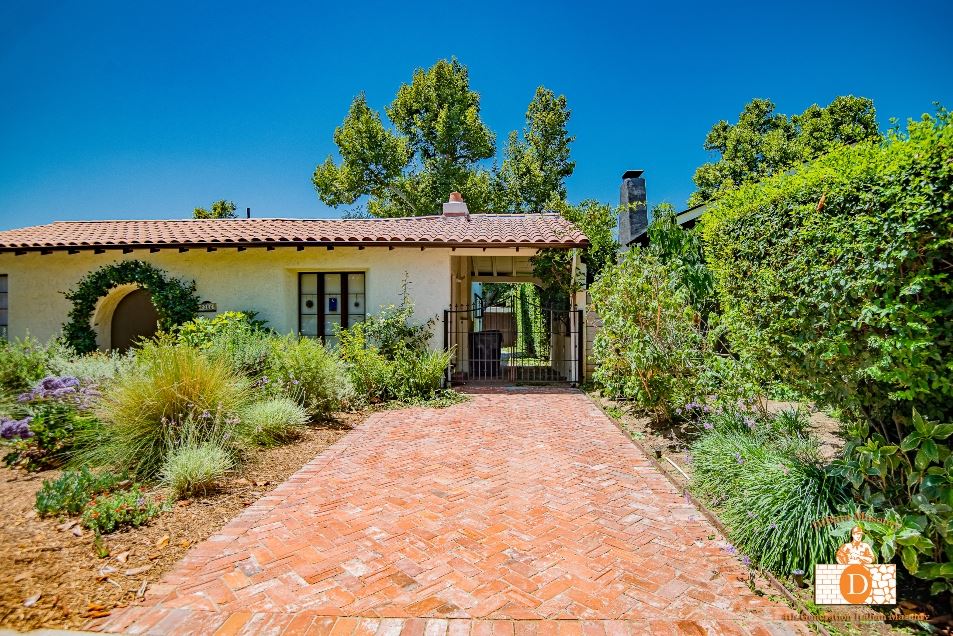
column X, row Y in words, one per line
column 145, row 110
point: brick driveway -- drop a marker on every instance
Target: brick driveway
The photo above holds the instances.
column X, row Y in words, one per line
column 521, row 510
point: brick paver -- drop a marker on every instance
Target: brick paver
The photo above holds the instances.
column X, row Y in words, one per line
column 521, row 511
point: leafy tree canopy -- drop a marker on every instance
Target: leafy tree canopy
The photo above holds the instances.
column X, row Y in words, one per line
column 764, row 142
column 535, row 168
column 434, row 143
column 220, row 210
column 434, row 148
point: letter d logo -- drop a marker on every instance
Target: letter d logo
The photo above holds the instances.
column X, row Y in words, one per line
column 856, row 583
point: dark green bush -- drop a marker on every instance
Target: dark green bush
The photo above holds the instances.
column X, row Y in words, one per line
column 837, row 278
column 660, row 343
column 175, row 300
column 69, row 493
column 650, row 347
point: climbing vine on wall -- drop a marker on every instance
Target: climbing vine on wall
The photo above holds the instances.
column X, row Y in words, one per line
column 175, row 300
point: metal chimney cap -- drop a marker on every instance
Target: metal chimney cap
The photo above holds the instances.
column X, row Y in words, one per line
column 632, row 174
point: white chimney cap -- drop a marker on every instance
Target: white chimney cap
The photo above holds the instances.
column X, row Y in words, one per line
column 456, row 206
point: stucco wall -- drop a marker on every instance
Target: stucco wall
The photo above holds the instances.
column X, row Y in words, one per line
column 255, row 279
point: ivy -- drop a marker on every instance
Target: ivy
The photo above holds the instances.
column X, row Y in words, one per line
column 175, row 300
column 837, row 277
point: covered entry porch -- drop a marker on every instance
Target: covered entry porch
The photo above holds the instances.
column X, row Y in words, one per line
column 502, row 330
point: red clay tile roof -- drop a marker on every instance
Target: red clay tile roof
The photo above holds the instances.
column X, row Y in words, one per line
column 477, row 230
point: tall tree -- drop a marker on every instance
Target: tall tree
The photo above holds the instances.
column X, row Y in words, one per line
column 535, row 168
column 221, row 209
column 763, row 142
column 435, row 146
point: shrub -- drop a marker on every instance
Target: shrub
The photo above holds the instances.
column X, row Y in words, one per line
column 306, row 370
column 661, row 343
column 273, row 421
column 95, row 368
column 234, row 336
column 69, row 493
column 22, row 362
column 391, row 329
column 52, row 413
column 418, row 375
column 124, row 508
column 650, row 347
column 195, row 468
column 387, row 357
column 201, row 331
column 176, row 393
column 369, row 371
column 769, row 488
column 910, row 484
column 837, row 278
column 407, row 375
column 247, row 351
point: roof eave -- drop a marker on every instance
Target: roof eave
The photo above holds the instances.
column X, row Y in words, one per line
column 275, row 244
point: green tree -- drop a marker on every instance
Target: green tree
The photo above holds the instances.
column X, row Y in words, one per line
column 554, row 267
column 763, row 142
column 219, row 210
column 435, row 147
column 535, row 168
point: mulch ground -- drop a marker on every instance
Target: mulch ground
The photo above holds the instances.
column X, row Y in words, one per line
column 672, row 440
column 52, row 574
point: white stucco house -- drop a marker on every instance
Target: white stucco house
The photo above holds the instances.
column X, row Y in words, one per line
column 303, row 276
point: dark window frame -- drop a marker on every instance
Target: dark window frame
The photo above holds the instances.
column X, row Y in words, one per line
column 5, row 325
column 344, row 303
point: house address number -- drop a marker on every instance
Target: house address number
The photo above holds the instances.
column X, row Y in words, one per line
column 207, row 306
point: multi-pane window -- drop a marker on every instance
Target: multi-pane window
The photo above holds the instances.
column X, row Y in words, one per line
column 4, row 306
column 328, row 301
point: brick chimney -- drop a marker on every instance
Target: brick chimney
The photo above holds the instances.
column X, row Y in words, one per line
column 456, row 206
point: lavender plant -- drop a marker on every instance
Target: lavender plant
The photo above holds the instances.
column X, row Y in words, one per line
column 49, row 416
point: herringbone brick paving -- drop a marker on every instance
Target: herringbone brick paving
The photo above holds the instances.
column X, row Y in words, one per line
column 520, row 510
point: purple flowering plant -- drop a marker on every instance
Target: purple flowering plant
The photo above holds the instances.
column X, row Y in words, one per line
column 47, row 419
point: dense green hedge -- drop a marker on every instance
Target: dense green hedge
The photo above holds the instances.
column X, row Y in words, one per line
column 837, row 276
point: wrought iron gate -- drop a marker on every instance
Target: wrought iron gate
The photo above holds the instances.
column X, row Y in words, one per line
column 513, row 342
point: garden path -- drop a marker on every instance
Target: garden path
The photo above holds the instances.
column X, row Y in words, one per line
column 519, row 511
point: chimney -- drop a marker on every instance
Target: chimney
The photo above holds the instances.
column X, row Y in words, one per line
column 455, row 206
column 247, row 213
column 633, row 214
